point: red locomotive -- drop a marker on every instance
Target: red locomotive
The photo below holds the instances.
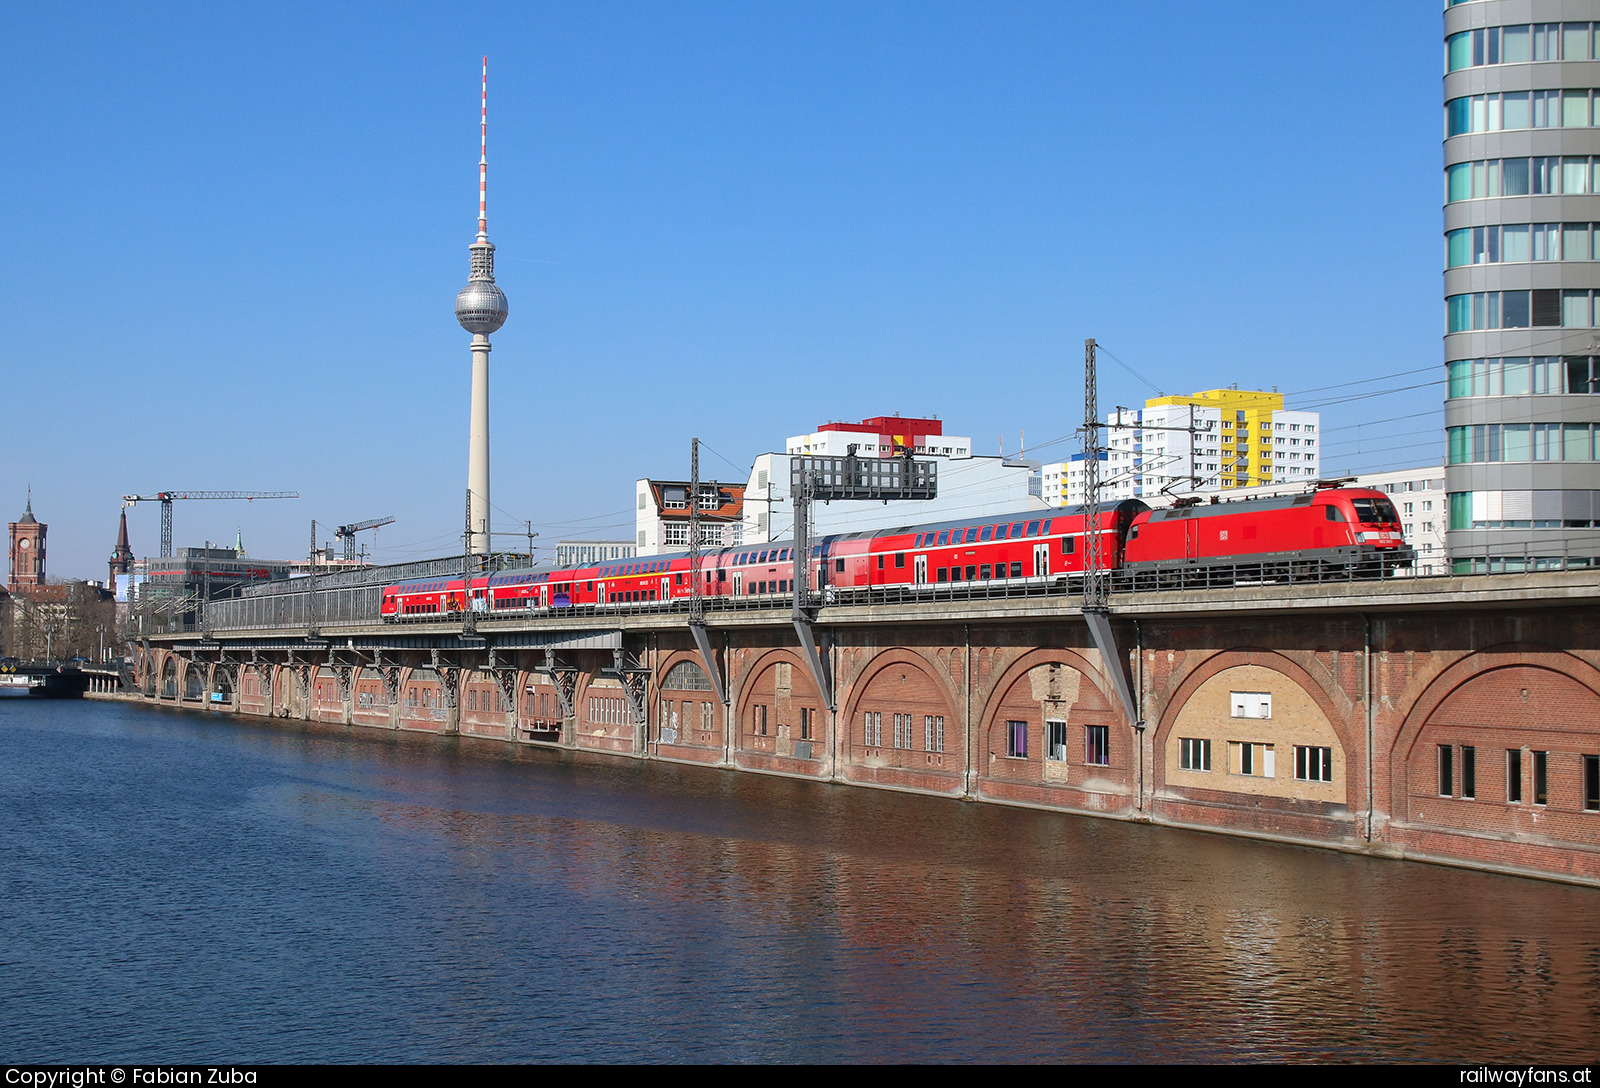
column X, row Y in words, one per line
column 1339, row 530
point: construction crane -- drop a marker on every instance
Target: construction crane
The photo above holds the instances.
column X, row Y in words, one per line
column 166, row 499
column 347, row 533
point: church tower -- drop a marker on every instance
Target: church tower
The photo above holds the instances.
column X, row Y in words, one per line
column 121, row 555
column 27, row 551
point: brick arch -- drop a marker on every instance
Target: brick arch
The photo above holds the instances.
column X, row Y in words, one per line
column 932, row 694
column 480, row 687
column 539, row 714
column 327, row 701
column 690, row 733
column 1477, row 664
column 369, row 697
column 1477, row 703
column 1093, row 706
column 225, row 681
column 1026, row 664
column 194, row 679
column 783, row 724
column 1223, row 660
column 428, row 712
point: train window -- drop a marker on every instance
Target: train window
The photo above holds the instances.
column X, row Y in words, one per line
column 1069, row 544
column 984, row 572
column 972, row 536
column 1132, row 535
column 955, row 574
column 589, row 587
column 944, row 574
column 880, row 562
column 999, row 570
column 722, row 576
column 972, row 572
column 1016, row 529
column 1033, row 528
column 988, row 531
column 944, row 538
column 838, row 565
column 900, row 559
column 917, row 543
column 1016, row 570
column 1375, row 510
column 1333, row 513
column 999, row 532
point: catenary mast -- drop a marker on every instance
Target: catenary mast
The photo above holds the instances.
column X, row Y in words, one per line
column 481, row 309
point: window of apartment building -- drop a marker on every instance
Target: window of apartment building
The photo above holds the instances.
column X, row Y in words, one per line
column 1097, row 745
column 707, row 722
column 1447, row 771
column 1591, row 783
column 1252, row 704
column 806, row 715
column 872, row 729
column 1541, row 778
column 1194, row 754
column 1257, row 760
column 933, row 732
column 1017, row 740
column 1514, row 775
column 1055, row 741
column 1469, row 772
column 1313, row 764
column 759, row 722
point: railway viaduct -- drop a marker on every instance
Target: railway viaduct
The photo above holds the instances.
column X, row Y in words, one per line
column 1455, row 720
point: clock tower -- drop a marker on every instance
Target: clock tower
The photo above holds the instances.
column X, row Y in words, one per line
column 27, row 551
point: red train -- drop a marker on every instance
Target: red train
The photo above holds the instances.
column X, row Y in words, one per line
column 1334, row 529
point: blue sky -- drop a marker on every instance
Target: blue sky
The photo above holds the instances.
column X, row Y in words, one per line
column 233, row 235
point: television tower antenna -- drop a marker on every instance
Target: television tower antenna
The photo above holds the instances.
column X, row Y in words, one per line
column 481, row 310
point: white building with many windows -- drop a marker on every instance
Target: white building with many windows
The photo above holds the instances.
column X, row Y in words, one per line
column 1215, row 441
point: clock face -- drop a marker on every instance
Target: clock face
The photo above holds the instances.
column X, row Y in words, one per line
column 24, row 543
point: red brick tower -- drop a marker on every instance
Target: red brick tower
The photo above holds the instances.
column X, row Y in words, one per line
column 27, row 550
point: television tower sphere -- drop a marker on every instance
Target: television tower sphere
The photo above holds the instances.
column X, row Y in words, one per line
column 481, row 306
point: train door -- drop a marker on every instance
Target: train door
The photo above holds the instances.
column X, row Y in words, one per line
column 919, row 567
column 480, row 602
column 738, row 581
column 601, row 599
column 1041, row 560
column 1191, row 538
column 544, row 596
column 666, row 588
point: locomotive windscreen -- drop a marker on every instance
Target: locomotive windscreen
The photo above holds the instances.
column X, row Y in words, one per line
column 1371, row 511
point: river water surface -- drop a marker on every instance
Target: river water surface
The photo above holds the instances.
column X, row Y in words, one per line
column 182, row 887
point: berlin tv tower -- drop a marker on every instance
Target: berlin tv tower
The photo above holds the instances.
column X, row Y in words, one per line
column 481, row 309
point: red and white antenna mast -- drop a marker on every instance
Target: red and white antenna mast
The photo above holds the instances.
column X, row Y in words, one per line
column 483, row 161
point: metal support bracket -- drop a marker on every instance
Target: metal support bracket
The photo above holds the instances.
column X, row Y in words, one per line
column 708, row 658
column 819, row 670
column 1099, row 621
column 635, row 679
column 565, row 680
column 507, row 679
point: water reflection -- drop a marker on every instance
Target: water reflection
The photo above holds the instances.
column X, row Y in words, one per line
column 192, row 888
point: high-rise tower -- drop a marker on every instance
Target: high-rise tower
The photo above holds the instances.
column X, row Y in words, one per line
column 1522, row 282
column 481, row 309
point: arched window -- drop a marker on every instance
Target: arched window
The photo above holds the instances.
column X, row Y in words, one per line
column 686, row 676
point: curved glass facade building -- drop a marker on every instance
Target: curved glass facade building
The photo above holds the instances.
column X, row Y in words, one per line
column 1522, row 282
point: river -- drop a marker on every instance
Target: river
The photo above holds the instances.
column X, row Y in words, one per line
column 185, row 887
